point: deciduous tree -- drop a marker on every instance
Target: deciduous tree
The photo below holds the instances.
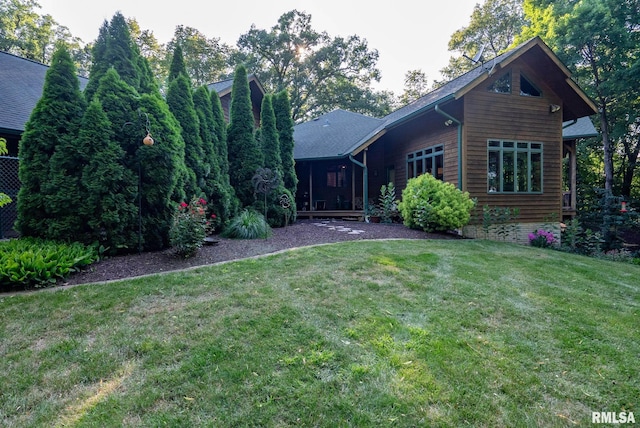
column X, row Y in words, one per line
column 600, row 41
column 321, row 72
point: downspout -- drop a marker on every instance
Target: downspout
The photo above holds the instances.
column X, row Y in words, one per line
column 448, row 116
column 365, row 184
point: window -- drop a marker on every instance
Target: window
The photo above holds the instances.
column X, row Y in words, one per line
column 502, row 85
column 427, row 161
column 337, row 176
column 514, row 167
column 528, row 89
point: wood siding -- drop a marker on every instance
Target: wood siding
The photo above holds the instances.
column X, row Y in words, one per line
column 489, row 115
column 426, row 131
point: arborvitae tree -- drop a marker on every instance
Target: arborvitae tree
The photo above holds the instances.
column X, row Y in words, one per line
column 220, row 141
column 177, row 66
column 115, row 48
column 180, row 101
column 163, row 171
column 220, row 130
column 109, row 208
column 161, row 167
column 284, row 123
column 121, row 103
column 216, row 193
column 53, row 124
column 245, row 155
column 99, row 65
column 269, row 137
column 122, row 53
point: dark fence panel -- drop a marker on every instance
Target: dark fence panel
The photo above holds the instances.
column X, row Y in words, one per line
column 9, row 184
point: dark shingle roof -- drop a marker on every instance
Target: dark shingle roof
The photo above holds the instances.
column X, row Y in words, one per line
column 332, row 135
column 582, row 128
column 369, row 129
column 21, row 83
column 222, row 86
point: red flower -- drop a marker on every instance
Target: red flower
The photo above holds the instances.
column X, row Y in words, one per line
column 213, row 216
column 183, row 205
column 202, row 202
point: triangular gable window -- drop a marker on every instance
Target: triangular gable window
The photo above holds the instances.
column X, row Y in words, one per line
column 502, row 85
column 528, row 89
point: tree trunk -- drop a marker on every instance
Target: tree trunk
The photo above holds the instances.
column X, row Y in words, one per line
column 608, row 150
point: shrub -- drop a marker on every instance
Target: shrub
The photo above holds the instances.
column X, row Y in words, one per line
column 387, row 203
column 190, row 226
column 248, row 225
column 541, row 239
column 34, row 262
column 433, row 205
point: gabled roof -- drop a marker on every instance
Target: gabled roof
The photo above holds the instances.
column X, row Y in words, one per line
column 332, row 135
column 224, row 87
column 21, row 83
column 577, row 106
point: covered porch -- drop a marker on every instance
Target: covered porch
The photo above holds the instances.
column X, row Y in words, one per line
column 335, row 188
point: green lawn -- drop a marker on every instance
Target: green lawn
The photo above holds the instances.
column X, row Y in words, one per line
column 382, row 333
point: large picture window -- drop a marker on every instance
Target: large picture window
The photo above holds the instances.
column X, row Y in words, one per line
column 427, row 161
column 514, row 167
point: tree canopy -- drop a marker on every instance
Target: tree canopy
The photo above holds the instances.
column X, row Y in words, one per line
column 600, row 41
column 321, row 72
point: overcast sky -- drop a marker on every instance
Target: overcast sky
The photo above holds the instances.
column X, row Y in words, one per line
column 408, row 34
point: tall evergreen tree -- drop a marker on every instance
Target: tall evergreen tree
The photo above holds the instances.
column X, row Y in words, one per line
column 220, row 141
column 177, row 66
column 220, row 130
column 163, row 171
column 245, row 155
column 180, row 101
column 284, row 123
column 109, row 209
column 99, row 64
column 115, row 48
column 160, row 169
column 216, row 193
column 269, row 136
column 54, row 124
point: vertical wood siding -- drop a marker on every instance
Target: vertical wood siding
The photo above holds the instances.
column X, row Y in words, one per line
column 520, row 118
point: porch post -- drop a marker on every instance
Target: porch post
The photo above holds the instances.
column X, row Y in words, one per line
column 311, row 186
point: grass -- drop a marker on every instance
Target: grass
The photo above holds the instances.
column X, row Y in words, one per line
column 386, row 333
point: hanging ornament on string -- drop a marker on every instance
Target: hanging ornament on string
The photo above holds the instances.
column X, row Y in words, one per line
column 148, row 140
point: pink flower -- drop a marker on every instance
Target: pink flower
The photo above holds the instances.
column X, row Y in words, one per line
column 183, row 205
column 213, row 216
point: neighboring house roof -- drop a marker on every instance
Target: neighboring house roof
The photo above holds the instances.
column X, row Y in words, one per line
column 21, row 83
column 224, row 87
column 581, row 105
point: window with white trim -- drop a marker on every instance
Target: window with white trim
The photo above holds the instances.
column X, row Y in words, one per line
column 514, row 167
column 427, row 161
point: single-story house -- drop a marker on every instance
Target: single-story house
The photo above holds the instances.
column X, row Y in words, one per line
column 500, row 132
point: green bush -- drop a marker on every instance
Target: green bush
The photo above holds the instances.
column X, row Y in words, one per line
column 190, row 226
column 33, row 262
column 248, row 225
column 433, row 205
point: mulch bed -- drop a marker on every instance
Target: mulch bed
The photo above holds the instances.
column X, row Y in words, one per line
column 300, row 234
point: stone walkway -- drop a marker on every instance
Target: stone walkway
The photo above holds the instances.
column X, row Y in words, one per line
column 339, row 228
